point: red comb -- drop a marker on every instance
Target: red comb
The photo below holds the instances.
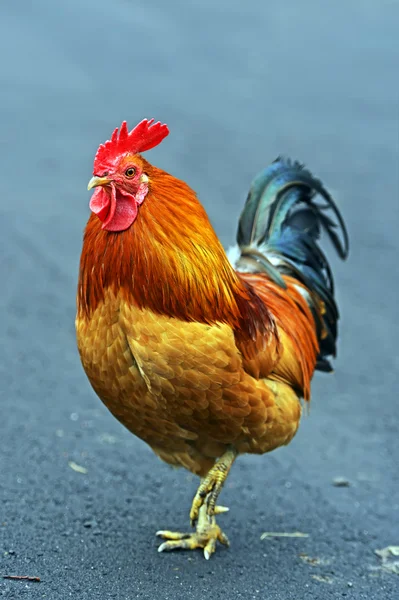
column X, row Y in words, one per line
column 144, row 136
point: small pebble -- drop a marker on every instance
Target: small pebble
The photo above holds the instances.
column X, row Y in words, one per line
column 90, row 523
column 341, row 482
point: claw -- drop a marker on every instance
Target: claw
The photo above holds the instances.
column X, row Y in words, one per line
column 223, row 539
column 221, row 509
column 172, row 535
column 183, row 544
column 210, row 548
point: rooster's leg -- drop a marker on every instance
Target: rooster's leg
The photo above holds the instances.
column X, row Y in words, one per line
column 211, row 486
column 203, row 511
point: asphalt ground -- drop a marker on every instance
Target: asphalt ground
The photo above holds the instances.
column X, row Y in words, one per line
column 237, row 83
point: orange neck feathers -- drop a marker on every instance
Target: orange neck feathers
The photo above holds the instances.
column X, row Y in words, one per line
column 171, row 262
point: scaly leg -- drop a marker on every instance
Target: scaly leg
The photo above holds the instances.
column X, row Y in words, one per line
column 211, row 486
column 203, row 511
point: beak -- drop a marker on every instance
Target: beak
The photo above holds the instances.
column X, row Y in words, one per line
column 96, row 181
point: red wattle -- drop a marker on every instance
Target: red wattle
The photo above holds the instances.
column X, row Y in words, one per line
column 124, row 214
column 112, row 207
column 100, row 203
column 115, row 208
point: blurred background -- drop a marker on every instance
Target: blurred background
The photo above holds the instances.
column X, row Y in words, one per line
column 237, row 83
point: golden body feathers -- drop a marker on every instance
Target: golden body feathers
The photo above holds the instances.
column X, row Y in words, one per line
column 182, row 387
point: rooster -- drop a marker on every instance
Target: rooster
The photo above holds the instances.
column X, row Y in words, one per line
column 201, row 356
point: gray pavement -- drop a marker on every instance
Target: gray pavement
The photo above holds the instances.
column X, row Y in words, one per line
column 237, row 83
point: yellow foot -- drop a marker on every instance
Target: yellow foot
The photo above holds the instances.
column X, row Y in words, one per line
column 206, row 535
column 211, row 486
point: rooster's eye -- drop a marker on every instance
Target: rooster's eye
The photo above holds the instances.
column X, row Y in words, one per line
column 130, row 172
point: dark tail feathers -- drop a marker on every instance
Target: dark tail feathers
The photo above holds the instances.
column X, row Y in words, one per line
column 278, row 234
